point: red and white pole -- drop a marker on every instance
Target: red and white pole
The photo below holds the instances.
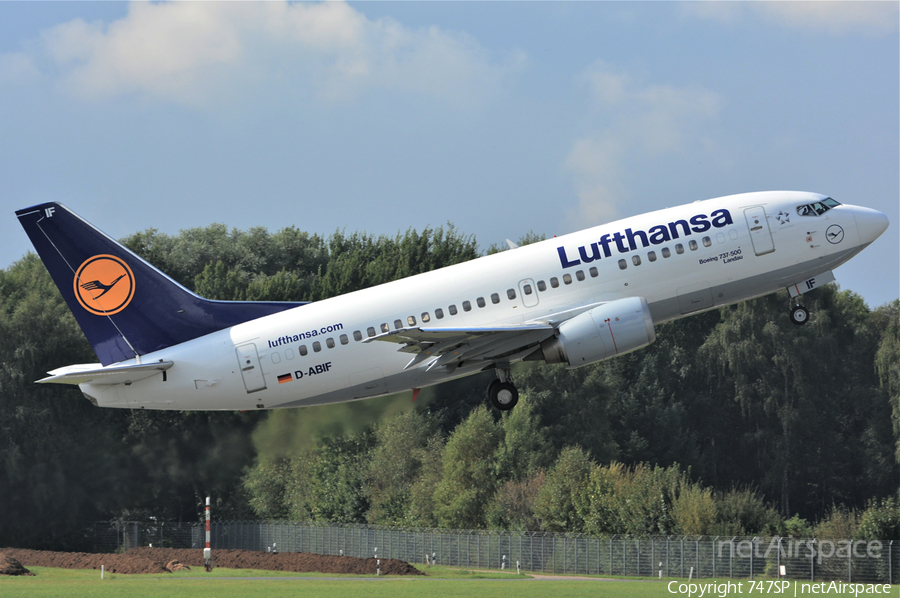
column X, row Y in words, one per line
column 207, row 552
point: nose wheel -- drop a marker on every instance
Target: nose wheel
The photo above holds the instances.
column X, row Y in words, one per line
column 799, row 315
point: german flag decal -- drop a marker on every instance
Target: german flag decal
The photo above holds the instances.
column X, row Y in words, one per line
column 284, row 378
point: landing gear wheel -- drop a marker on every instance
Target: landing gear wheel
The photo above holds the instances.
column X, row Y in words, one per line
column 799, row 315
column 503, row 395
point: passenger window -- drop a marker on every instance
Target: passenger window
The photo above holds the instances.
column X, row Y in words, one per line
column 666, row 252
column 554, row 282
column 693, row 245
column 579, row 274
column 370, row 331
column 385, row 327
column 622, row 265
column 567, row 278
column 495, row 298
column 276, row 357
column 525, row 289
column 303, row 350
column 357, row 336
column 426, row 317
column 317, row 346
column 289, row 353
column 411, row 320
column 344, row 339
column 439, row 313
column 679, row 248
column 467, row 306
column 636, row 260
column 651, row 256
column 733, row 234
column 480, row 302
column 720, row 238
column 594, row 272
column 707, row 242
column 398, row 324
column 329, row 342
column 542, row 286
column 511, row 293
column 452, row 310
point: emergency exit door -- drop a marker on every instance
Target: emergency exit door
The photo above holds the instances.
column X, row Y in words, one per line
column 251, row 371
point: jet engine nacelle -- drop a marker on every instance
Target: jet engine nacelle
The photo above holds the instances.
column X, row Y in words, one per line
column 608, row 330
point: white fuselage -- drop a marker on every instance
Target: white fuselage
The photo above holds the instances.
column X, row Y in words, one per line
column 743, row 246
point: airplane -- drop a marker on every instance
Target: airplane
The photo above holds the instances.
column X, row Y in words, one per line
column 574, row 300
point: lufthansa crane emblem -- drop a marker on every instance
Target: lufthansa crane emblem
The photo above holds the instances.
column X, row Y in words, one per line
column 834, row 234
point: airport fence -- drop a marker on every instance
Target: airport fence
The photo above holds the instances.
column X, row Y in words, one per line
column 541, row 552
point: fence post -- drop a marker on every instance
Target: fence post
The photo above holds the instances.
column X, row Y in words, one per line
column 778, row 559
column 667, row 556
column 697, row 555
column 812, row 561
column 682, row 556
column 610, row 552
column 639, row 556
column 752, row 550
column 714, row 542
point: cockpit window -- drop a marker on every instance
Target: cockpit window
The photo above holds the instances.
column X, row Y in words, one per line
column 817, row 208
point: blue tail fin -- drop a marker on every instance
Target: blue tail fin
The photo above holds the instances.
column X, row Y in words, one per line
column 125, row 306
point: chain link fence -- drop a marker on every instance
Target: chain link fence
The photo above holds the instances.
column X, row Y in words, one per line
column 651, row 556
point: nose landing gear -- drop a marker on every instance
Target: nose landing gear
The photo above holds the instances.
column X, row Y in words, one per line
column 799, row 315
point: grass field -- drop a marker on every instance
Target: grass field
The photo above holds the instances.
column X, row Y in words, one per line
column 240, row 583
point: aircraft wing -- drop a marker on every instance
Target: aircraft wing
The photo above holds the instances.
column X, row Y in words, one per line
column 113, row 374
column 450, row 347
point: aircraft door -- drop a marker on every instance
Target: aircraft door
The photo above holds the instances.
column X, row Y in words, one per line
column 251, row 371
column 528, row 292
column 760, row 235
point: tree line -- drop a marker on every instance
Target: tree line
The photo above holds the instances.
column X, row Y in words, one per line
column 734, row 422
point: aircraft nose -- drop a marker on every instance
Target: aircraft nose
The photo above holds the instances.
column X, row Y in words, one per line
column 870, row 223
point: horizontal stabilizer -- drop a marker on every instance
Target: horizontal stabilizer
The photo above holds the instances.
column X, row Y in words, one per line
column 114, row 374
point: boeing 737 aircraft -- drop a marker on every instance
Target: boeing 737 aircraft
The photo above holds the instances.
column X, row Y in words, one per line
column 574, row 300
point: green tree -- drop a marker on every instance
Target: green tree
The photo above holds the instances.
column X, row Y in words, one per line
column 558, row 497
column 265, row 485
column 469, row 479
column 401, row 445
column 887, row 362
column 523, row 448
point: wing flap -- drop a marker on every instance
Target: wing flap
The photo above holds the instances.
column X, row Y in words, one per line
column 113, row 374
column 451, row 346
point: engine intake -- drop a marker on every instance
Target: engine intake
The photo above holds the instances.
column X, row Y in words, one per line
column 611, row 329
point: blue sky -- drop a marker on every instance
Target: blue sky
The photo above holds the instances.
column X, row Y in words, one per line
column 501, row 117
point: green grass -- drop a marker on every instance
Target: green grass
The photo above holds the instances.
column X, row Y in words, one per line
column 227, row 583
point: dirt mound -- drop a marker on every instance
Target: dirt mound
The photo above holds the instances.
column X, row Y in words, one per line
column 114, row 563
column 10, row 566
column 282, row 561
column 152, row 560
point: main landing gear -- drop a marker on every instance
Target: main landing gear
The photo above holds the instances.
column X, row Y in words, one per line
column 799, row 315
column 502, row 393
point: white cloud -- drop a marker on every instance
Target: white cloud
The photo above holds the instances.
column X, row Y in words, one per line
column 17, row 68
column 197, row 53
column 867, row 17
column 597, row 166
column 642, row 120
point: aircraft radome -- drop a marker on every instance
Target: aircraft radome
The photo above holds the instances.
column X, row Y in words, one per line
column 576, row 299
